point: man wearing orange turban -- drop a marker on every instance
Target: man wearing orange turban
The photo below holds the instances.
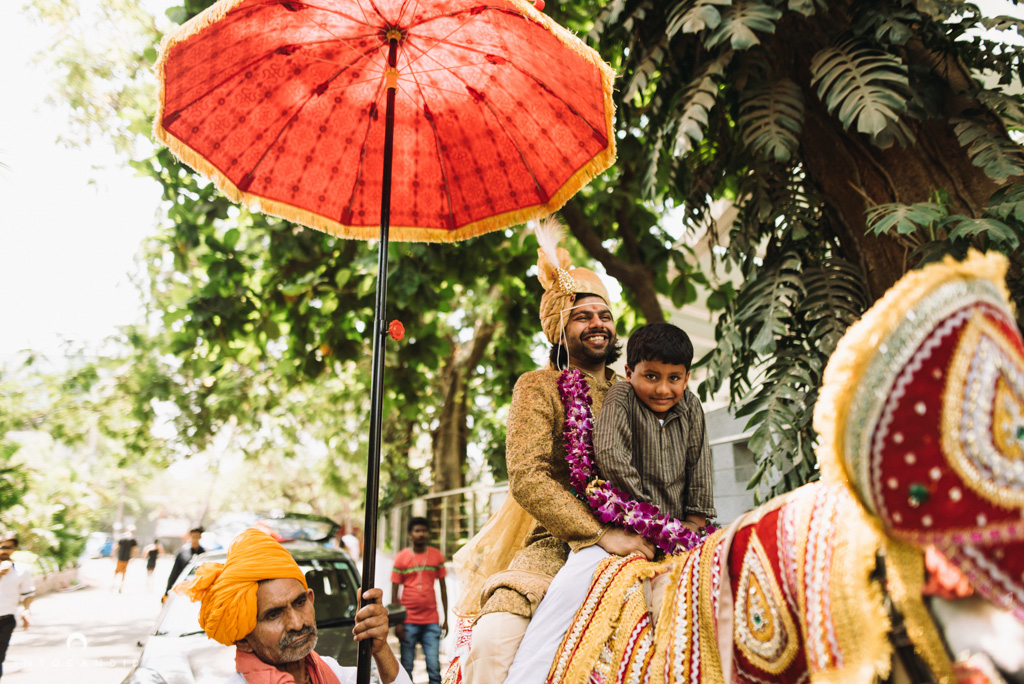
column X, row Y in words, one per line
column 258, row 601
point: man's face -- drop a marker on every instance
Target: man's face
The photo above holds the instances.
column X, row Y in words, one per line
column 589, row 332
column 285, row 623
column 194, row 536
column 7, row 548
column 658, row 385
column 420, row 535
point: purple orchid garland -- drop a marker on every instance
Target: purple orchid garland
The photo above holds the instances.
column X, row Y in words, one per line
column 610, row 504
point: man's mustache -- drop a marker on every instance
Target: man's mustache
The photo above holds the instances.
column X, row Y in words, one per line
column 290, row 637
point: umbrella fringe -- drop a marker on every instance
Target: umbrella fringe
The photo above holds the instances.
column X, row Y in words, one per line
column 289, row 212
column 210, row 15
column 567, row 38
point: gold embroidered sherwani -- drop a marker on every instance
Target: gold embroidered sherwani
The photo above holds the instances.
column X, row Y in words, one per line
column 539, row 481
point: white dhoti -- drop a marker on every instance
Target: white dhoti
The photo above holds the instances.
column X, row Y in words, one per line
column 551, row 621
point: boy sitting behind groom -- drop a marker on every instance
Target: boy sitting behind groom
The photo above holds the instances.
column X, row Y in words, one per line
column 649, row 439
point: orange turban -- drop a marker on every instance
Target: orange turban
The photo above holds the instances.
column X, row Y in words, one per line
column 561, row 281
column 228, row 590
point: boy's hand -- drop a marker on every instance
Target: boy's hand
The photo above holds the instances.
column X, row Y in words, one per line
column 622, row 543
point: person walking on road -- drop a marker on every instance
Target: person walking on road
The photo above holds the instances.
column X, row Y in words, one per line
column 151, row 552
column 412, row 584
column 184, row 556
column 16, row 588
column 127, row 548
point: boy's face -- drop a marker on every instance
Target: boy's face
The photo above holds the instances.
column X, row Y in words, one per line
column 658, row 385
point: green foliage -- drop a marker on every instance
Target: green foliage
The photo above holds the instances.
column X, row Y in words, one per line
column 992, row 152
column 796, row 312
column 718, row 100
column 867, row 86
column 741, row 23
column 904, row 219
column 66, row 434
column 13, row 477
column 1000, row 227
column 698, row 100
column 772, row 118
column 790, row 110
column 694, row 17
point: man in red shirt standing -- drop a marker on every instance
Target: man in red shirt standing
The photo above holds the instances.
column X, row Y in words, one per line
column 413, row 574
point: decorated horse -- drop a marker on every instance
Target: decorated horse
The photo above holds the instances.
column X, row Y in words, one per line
column 921, row 453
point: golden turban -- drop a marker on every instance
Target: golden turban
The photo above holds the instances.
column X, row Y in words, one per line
column 228, row 590
column 561, row 281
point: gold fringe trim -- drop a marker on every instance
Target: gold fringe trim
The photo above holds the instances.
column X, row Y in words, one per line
column 859, row 346
column 710, row 659
column 663, row 628
column 196, row 24
column 905, row 576
column 627, row 635
column 598, row 163
column 596, row 621
column 857, row 602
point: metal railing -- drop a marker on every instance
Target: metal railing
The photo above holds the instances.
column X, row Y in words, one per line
column 455, row 516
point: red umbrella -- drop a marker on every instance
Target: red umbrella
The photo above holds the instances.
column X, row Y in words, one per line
column 501, row 115
column 481, row 114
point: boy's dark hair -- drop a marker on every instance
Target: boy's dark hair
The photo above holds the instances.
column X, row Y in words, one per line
column 559, row 355
column 413, row 522
column 200, row 530
column 659, row 342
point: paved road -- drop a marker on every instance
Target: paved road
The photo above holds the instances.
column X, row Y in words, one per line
column 92, row 635
column 87, row 636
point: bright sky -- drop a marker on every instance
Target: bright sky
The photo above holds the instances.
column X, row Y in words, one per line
column 69, row 234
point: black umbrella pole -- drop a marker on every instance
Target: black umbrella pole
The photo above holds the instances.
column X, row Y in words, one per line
column 377, row 370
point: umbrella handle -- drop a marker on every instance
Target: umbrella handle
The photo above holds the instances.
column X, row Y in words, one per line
column 377, row 369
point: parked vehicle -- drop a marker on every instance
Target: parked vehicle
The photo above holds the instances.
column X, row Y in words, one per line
column 179, row 651
column 282, row 526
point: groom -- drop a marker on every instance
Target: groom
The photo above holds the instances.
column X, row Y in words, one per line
column 578, row 323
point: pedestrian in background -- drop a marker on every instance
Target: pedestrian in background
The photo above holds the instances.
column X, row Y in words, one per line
column 127, row 548
column 151, row 552
column 413, row 575
column 16, row 588
column 183, row 557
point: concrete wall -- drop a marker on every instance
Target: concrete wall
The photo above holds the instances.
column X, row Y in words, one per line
column 55, row 581
column 733, row 463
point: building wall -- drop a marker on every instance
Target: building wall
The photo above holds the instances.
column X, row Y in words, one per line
column 733, row 463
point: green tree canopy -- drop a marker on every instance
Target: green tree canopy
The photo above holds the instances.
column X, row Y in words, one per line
column 856, row 140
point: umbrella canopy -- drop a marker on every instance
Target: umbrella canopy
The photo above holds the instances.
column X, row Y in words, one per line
column 501, row 115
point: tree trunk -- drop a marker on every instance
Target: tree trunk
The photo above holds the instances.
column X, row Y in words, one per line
column 853, row 175
column 450, row 438
column 634, row 275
